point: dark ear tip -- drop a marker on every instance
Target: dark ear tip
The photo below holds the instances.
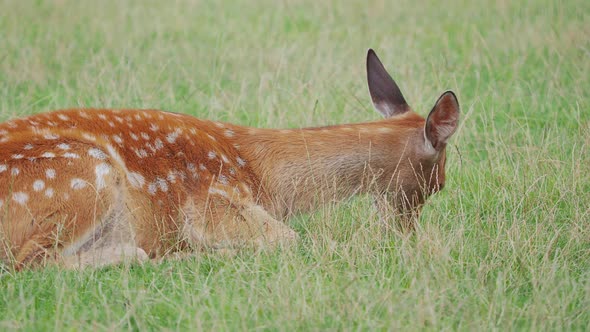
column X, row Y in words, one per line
column 450, row 92
column 452, row 95
column 373, row 63
column 371, row 55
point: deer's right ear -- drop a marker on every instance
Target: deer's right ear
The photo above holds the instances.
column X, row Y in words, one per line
column 386, row 95
column 442, row 121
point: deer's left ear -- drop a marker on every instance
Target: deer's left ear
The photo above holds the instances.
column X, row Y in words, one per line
column 442, row 121
column 385, row 93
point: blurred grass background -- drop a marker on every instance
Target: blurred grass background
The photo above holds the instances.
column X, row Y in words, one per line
column 504, row 247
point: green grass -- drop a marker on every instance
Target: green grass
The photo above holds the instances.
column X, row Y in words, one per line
column 506, row 246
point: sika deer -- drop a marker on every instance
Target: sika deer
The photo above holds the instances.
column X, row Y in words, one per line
column 99, row 186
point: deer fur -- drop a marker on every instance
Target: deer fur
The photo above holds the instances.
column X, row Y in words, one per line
column 102, row 186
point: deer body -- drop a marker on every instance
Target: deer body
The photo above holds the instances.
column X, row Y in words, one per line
column 98, row 186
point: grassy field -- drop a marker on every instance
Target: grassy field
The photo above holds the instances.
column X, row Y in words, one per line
column 506, row 245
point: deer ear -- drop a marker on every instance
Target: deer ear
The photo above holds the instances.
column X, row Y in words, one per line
column 442, row 121
column 386, row 95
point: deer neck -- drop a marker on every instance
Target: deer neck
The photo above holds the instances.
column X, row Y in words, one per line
column 301, row 169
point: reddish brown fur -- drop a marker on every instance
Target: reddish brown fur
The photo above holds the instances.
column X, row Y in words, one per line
column 138, row 183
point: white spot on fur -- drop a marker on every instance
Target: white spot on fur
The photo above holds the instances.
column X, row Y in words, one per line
column 134, row 137
column 211, row 155
column 14, row 171
column 63, row 117
column 229, row 133
column 83, row 115
column 48, row 155
column 97, row 153
column 141, row 153
column 63, row 146
column 145, row 136
column 171, row 137
column 117, row 139
column 218, row 124
column 191, row 167
column 77, row 183
column 151, row 147
column 102, row 116
column 216, row 191
column 50, row 173
column 3, row 168
column 241, row 162
column 17, row 156
column 159, row 144
column 28, row 146
column 50, row 136
column 171, row 177
column 384, row 130
column 135, row 179
column 224, row 158
column 222, row 179
column 182, row 176
column 162, row 184
column 154, row 127
column 89, row 137
column 211, row 137
column 49, row 192
column 101, row 170
column 71, row 155
column 152, row 188
column 38, row 185
column 20, row 197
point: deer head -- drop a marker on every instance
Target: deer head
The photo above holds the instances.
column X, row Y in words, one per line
column 420, row 171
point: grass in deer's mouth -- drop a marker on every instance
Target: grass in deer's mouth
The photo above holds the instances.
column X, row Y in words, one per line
column 504, row 246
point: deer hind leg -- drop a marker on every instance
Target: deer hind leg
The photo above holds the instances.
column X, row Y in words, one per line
column 108, row 240
column 112, row 241
column 92, row 227
column 224, row 222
